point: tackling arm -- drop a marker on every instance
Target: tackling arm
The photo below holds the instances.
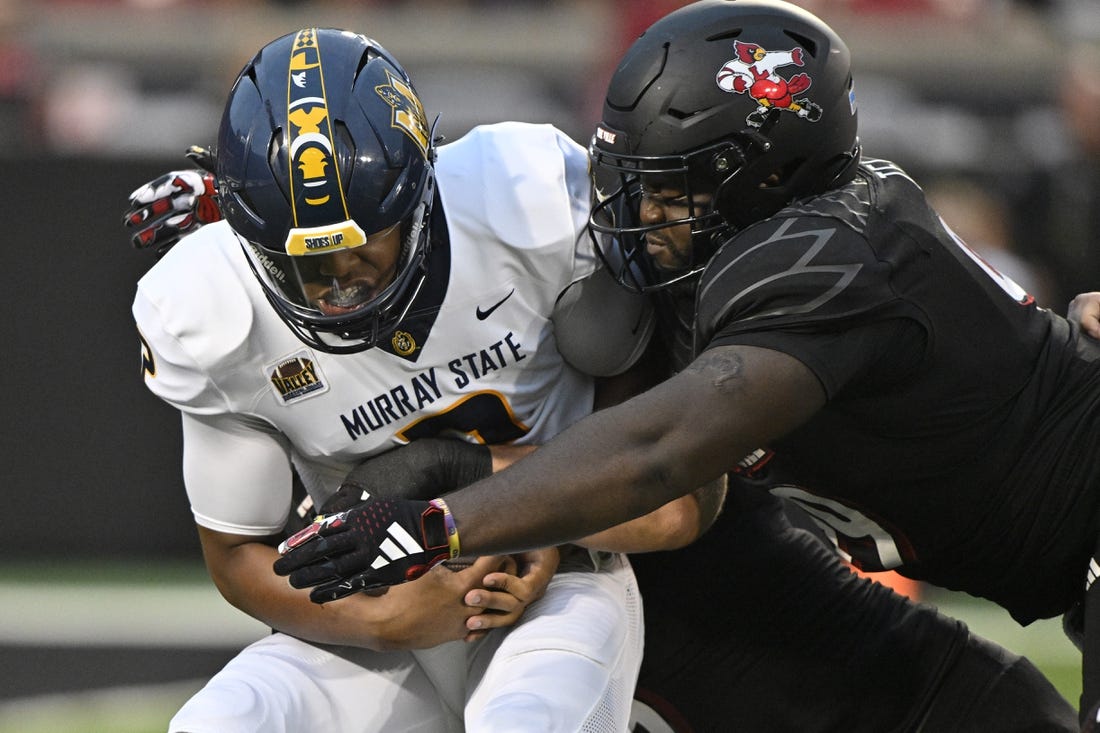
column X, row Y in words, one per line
column 613, row 466
column 669, row 527
column 627, row 460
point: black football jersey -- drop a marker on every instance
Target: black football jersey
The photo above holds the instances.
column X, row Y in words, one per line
column 959, row 442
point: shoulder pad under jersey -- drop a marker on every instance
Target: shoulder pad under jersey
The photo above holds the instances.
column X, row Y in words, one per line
column 526, row 184
column 193, row 313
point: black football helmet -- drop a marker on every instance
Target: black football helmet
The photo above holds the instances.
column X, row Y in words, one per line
column 750, row 101
column 324, row 144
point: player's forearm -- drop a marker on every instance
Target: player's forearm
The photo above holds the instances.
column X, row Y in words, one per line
column 600, row 472
column 506, row 455
column 671, row 526
column 627, row 460
column 243, row 575
column 244, row 578
column 667, row 528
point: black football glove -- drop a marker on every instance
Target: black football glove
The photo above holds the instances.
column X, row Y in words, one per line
column 376, row 543
column 420, row 470
column 173, row 204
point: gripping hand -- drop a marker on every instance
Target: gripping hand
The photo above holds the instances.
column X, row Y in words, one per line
column 420, row 470
column 173, row 204
column 376, row 543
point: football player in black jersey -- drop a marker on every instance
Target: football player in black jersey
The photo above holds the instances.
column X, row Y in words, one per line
column 926, row 411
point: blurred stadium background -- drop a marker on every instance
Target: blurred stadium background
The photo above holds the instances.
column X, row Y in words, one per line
column 107, row 619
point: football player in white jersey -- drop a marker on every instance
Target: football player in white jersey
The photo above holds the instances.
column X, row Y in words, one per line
column 368, row 289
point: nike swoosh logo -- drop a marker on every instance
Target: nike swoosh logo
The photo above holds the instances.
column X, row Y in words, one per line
column 483, row 314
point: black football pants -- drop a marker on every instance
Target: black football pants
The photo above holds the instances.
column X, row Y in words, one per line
column 758, row 627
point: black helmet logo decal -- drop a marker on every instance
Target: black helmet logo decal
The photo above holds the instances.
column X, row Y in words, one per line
column 754, row 73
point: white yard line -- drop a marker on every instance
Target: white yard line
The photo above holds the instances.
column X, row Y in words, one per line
column 194, row 614
column 121, row 615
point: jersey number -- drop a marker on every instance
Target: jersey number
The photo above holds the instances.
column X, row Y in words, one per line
column 859, row 539
column 484, row 416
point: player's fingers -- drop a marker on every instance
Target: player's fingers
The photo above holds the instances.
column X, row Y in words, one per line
column 493, row 601
column 493, row 620
column 325, row 526
column 152, row 214
column 506, row 583
column 301, row 537
column 501, row 601
column 489, row 621
column 315, row 574
column 1090, row 321
column 333, row 591
column 1085, row 310
column 315, row 550
column 475, row 635
column 145, row 238
column 526, row 587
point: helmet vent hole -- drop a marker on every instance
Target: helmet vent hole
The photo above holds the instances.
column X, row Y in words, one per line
column 679, row 114
column 345, row 151
column 808, row 44
column 275, row 161
column 245, row 202
column 724, row 36
column 368, row 55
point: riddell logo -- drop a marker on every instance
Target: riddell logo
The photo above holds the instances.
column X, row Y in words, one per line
column 606, row 135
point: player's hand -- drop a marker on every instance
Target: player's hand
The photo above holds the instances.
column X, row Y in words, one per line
column 172, row 205
column 430, row 611
column 506, row 595
column 420, row 470
column 1085, row 311
column 377, row 543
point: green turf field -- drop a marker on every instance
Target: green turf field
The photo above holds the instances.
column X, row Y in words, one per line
column 171, row 604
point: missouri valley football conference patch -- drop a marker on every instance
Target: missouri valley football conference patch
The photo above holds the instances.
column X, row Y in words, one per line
column 296, row 377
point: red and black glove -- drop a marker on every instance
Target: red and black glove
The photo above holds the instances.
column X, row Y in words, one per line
column 376, row 543
column 174, row 204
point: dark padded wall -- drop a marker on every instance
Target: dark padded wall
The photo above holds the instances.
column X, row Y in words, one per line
column 90, row 459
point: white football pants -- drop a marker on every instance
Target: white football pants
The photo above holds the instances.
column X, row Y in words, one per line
column 569, row 666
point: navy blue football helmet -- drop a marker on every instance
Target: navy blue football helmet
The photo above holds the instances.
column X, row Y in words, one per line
column 324, row 152
column 748, row 101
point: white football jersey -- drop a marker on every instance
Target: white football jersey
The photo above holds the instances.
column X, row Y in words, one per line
column 484, row 364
